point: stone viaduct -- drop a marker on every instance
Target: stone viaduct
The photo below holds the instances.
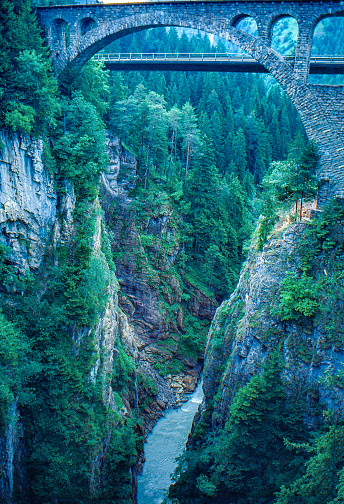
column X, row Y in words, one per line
column 76, row 32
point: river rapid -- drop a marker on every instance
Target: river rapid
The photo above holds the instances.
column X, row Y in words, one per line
column 165, row 443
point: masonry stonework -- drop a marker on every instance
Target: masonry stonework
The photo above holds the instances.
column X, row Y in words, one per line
column 76, row 32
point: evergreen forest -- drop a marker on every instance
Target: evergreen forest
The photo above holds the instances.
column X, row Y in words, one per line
column 223, row 155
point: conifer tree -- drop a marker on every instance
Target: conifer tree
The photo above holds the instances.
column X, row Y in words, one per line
column 239, row 155
column 28, row 88
column 322, row 482
column 252, row 459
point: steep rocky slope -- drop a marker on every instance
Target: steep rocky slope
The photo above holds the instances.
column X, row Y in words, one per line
column 119, row 338
column 27, row 198
column 257, row 317
column 164, row 310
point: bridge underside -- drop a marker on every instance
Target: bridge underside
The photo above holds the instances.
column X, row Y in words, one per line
column 321, row 108
column 182, row 66
column 320, row 68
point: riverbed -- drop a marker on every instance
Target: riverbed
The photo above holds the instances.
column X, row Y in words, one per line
column 165, row 443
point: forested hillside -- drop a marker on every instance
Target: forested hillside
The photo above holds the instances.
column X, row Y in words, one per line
column 105, row 305
column 207, row 139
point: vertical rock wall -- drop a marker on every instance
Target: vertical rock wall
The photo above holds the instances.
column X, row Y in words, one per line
column 246, row 329
column 27, row 199
column 32, row 220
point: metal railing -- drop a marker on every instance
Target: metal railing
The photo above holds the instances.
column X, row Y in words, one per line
column 230, row 57
column 173, row 57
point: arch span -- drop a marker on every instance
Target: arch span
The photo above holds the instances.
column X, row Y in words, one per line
column 247, row 24
column 321, row 109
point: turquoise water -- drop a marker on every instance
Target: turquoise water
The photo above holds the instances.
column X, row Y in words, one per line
column 166, row 442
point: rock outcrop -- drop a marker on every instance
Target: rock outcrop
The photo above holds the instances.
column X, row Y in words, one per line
column 152, row 290
column 246, row 329
column 27, row 199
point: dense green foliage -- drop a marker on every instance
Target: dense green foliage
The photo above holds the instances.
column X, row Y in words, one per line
column 204, row 143
column 247, row 126
column 206, row 140
column 28, row 89
column 248, row 460
column 79, row 148
column 323, row 479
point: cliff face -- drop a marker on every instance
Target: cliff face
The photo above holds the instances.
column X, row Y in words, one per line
column 35, row 223
column 28, row 207
column 159, row 303
column 249, row 326
column 273, row 375
column 27, row 200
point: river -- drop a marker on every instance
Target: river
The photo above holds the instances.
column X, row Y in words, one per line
column 165, row 443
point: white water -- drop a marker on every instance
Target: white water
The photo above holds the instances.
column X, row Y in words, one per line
column 166, row 442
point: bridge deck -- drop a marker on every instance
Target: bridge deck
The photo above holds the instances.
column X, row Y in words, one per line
column 95, row 4
column 208, row 62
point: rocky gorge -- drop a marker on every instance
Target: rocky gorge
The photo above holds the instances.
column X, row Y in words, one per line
column 151, row 291
column 136, row 210
column 288, row 303
column 142, row 351
column 141, row 318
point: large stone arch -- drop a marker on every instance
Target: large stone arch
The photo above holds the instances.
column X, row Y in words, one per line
column 321, row 108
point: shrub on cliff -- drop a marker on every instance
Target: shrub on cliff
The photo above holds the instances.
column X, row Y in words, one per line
column 80, row 147
column 298, row 297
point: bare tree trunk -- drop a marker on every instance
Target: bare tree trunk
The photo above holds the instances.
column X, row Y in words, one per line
column 187, row 159
column 301, row 206
column 147, row 168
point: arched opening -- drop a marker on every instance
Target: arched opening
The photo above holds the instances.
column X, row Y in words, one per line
column 246, row 24
column 61, row 34
column 283, row 35
column 328, row 40
column 87, row 24
column 328, row 37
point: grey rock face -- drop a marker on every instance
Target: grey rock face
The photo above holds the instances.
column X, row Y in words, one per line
column 245, row 331
column 27, row 200
column 121, row 173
